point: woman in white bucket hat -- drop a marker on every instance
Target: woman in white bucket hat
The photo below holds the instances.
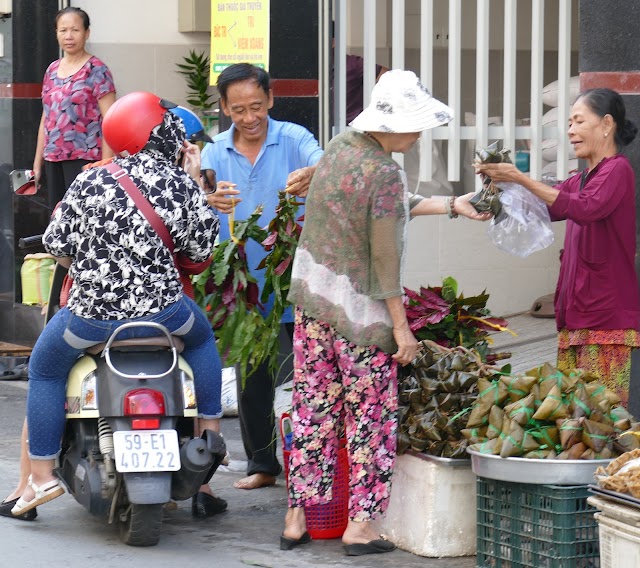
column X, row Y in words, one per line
column 351, row 330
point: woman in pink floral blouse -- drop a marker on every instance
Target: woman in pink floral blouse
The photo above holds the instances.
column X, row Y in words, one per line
column 77, row 91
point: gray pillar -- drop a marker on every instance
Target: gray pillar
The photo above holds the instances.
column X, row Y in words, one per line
column 609, row 57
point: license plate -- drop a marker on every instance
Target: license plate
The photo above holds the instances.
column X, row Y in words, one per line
column 146, row 450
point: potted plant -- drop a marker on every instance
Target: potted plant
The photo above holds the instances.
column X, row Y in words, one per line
column 195, row 68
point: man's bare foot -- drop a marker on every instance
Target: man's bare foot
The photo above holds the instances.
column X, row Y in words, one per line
column 255, row 481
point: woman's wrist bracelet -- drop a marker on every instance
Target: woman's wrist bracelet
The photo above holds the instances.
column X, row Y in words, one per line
column 450, row 207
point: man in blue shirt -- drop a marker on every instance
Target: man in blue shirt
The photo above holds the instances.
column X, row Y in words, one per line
column 254, row 160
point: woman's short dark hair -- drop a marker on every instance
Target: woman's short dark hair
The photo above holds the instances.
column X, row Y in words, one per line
column 73, row 10
column 608, row 101
column 242, row 72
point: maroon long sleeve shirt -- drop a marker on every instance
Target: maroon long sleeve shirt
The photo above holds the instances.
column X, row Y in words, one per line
column 597, row 287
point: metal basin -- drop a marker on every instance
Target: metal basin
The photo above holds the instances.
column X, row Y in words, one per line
column 539, row 472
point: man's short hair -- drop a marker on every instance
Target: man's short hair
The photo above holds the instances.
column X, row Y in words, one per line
column 242, row 72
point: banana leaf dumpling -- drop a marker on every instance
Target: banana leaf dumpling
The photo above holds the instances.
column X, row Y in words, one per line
column 434, row 448
column 573, row 453
column 540, row 454
column 589, row 454
column 448, row 401
column 496, row 418
column 518, row 386
column 455, row 449
column 550, row 376
column 535, row 391
column 403, row 442
column 621, row 413
column 521, row 410
column 553, row 406
column 403, row 414
column 490, row 392
column 596, row 435
column 429, row 386
column 579, row 402
column 570, row 431
column 491, row 447
column 622, row 425
column 547, row 436
column 474, row 435
column 518, row 442
column 467, row 380
column 626, row 442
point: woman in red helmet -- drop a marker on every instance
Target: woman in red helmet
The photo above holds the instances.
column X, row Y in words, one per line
column 122, row 271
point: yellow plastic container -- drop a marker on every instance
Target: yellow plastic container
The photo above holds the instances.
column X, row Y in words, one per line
column 36, row 275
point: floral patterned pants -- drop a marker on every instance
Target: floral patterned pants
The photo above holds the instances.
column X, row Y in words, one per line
column 339, row 384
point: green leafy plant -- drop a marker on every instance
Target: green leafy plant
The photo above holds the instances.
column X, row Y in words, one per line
column 442, row 315
column 195, row 69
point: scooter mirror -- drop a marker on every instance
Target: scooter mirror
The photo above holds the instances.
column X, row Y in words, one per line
column 23, row 182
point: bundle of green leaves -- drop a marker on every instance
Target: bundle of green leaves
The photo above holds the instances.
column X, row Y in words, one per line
column 228, row 294
column 442, row 315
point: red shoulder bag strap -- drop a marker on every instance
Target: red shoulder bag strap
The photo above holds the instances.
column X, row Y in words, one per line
column 142, row 204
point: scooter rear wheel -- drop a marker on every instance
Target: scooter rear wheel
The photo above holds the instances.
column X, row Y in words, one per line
column 142, row 525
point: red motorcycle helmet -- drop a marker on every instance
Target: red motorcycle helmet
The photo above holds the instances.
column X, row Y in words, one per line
column 128, row 123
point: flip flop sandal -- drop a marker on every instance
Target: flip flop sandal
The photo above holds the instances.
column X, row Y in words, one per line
column 43, row 494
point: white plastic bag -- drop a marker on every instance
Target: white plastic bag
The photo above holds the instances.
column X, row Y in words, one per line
column 229, row 393
column 523, row 226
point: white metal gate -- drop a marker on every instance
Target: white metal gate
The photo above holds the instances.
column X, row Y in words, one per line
column 543, row 15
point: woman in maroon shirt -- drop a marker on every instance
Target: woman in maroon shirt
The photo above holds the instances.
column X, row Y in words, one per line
column 597, row 302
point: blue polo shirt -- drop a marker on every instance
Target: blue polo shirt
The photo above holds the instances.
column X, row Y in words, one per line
column 288, row 147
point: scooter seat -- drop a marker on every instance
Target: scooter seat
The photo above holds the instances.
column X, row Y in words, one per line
column 159, row 341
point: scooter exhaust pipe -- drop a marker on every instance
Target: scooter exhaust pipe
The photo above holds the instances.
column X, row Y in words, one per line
column 199, row 460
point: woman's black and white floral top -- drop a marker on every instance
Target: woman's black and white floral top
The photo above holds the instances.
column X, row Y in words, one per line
column 120, row 267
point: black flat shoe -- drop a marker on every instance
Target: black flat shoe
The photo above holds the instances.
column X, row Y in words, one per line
column 5, row 511
column 204, row 505
column 372, row 547
column 289, row 543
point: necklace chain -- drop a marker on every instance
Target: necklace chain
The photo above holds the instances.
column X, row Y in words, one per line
column 372, row 137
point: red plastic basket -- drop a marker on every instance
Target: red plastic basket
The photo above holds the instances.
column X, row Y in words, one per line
column 328, row 520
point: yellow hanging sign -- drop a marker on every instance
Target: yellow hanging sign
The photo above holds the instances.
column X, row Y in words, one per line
column 239, row 34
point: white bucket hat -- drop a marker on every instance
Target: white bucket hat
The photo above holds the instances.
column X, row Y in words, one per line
column 401, row 103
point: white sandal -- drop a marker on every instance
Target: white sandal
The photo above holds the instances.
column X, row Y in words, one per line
column 43, row 493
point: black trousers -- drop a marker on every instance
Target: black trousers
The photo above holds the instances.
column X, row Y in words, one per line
column 58, row 178
column 255, row 408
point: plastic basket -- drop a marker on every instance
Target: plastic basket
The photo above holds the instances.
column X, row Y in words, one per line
column 535, row 526
column 328, row 520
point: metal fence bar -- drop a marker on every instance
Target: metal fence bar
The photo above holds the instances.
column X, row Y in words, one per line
column 426, row 75
column 397, row 46
column 537, row 64
column 482, row 76
column 340, row 68
column 564, row 71
column 509, row 88
column 455, row 59
column 369, row 51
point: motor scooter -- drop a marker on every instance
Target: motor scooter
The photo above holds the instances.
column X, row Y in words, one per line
column 128, row 445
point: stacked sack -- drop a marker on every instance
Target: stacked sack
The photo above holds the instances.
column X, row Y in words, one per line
column 548, row 414
column 550, row 119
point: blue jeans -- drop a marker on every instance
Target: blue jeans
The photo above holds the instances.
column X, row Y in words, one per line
column 65, row 338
